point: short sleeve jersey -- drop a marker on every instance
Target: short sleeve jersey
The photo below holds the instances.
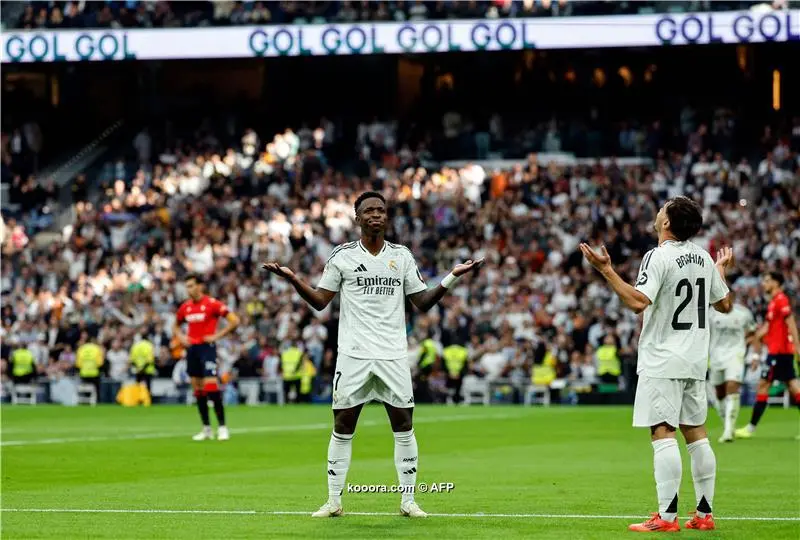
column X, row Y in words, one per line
column 778, row 339
column 373, row 289
column 681, row 281
column 728, row 336
column 202, row 317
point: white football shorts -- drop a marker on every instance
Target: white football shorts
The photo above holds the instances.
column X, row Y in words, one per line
column 732, row 370
column 358, row 381
column 672, row 401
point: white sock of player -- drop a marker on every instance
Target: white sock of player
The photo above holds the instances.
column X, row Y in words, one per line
column 719, row 406
column 732, row 404
column 340, row 450
column 704, row 474
column 667, row 465
column 405, row 460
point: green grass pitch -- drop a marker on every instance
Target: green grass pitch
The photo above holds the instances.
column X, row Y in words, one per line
column 515, row 471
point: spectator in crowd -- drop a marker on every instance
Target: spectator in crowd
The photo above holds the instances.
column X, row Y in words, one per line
column 89, row 360
column 64, row 365
column 292, row 367
column 22, row 364
column 609, row 366
column 143, row 360
column 118, row 362
column 170, row 14
column 270, row 363
column 308, row 372
column 426, row 365
column 314, row 337
column 456, row 363
column 536, row 311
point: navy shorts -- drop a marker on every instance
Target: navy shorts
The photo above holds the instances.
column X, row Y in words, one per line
column 201, row 360
column 779, row 367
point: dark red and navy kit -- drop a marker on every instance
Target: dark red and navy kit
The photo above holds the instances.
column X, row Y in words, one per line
column 201, row 318
column 780, row 349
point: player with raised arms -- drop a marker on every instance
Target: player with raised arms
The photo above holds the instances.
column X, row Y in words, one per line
column 677, row 280
column 374, row 278
column 201, row 313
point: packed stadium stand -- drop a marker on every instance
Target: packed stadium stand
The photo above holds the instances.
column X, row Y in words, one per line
column 533, row 154
column 151, row 14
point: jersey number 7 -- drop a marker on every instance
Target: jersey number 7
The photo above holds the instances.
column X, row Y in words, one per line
column 686, row 285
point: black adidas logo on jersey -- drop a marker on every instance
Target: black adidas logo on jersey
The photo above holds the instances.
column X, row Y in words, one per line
column 360, row 268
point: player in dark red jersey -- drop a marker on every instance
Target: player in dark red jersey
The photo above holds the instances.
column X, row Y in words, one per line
column 201, row 314
column 779, row 333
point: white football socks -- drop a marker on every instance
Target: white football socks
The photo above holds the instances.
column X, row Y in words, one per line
column 405, row 460
column 667, row 466
column 340, row 450
column 732, row 404
column 719, row 406
column 704, row 474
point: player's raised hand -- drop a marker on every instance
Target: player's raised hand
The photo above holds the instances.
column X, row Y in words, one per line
column 278, row 270
column 466, row 267
column 601, row 260
column 725, row 258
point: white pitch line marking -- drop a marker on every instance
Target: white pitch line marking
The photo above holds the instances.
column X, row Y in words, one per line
column 260, row 429
column 388, row 514
column 126, row 511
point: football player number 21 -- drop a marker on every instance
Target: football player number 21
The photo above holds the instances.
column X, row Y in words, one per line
column 686, row 291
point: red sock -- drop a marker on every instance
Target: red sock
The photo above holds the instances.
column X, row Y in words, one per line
column 762, row 398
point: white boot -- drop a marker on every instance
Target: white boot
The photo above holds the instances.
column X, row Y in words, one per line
column 412, row 509
column 329, row 509
column 204, row 435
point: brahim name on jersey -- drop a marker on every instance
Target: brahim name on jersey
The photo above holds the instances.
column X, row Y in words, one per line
column 690, row 258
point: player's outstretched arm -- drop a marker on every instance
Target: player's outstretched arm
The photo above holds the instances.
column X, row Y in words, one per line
column 425, row 300
column 316, row 298
column 632, row 298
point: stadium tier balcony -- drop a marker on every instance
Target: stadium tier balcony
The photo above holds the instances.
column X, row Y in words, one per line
column 149, row 14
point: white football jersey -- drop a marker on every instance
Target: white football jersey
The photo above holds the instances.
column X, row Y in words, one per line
column 681, row 281
column 373, row 288
column 728, row 334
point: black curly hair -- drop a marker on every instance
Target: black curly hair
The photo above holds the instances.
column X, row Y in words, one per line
column 367, row 195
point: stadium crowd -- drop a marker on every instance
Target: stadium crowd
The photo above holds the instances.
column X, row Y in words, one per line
column 152, row 14
column 536, row 311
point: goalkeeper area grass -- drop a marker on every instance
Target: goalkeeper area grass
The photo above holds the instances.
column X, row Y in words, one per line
column 559, row 472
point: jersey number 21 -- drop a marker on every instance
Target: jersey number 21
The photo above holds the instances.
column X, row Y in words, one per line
column 686, row 291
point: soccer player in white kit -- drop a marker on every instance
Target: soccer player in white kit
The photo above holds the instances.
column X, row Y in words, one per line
column 730, row 333
column 374, row 278
column 677, row 281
